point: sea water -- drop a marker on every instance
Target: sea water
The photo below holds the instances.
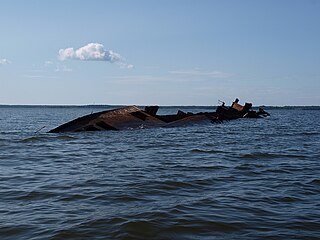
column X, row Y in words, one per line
column 242, row 179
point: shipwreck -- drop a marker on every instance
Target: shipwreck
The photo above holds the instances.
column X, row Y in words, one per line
column 132, row 117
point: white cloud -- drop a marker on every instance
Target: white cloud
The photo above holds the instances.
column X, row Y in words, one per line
column 62, row 68
column 56, row 66
column 39, row 76
column 93, row 52
column 129, row 66
column 90, row 52
column 4, row 61
column 137, row 79
column 200, row 73
column 47, row 63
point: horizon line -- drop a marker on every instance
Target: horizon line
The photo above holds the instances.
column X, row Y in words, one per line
column 116, row 105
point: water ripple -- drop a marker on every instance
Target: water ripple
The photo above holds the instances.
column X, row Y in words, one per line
column 244, row 179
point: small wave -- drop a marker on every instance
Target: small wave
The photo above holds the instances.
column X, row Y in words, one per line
column 32, row 139
column 164, row 226
column 207, row 167
column 303, row 225
column 315, row 181
column 140, row 229
column 73, row 197
column 36, row 195
column 310, row 133
column 258, row 155
column 270, row 156
column 248, row 166
column 171, row 185
column 127, row 199
column 199, row 226
column 120, row 198
column 45, row 138
column 158, row 146
column 14, row 232
column 101, row 222
column 197, row 150
column 66, row 137
column 283, row 199
column 199, row 167
column 105, row 228
column 4, row 142
column 276, row 170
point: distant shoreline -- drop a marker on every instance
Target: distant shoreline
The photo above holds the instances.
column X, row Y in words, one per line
column 161, row 106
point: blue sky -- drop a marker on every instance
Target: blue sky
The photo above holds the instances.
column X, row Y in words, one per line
column 177, row 52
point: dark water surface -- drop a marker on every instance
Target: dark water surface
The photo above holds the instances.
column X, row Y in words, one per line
column 243, row 179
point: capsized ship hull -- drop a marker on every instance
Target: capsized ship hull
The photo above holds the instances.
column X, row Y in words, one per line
column 132, row 117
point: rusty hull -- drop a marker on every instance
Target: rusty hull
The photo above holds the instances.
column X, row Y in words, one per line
column 132, row 117
column 118, row 119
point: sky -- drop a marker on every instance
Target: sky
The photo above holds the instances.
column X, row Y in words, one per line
column 167, row 52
